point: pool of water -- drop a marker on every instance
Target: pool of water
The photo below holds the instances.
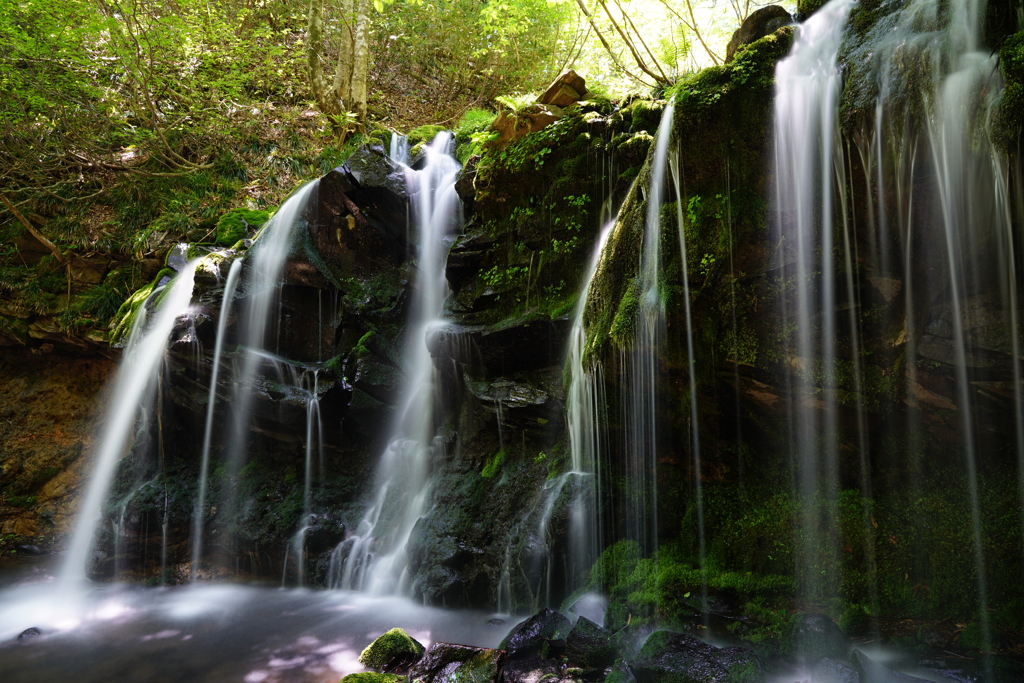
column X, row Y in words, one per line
column 221, row 632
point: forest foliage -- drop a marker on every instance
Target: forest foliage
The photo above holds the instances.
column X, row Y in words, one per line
column 129, row 124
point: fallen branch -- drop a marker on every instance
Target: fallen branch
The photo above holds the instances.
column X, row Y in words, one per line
column 28, row 226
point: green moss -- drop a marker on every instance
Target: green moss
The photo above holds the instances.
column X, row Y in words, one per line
column 126, row 313
column 423, row 134
column 21, row 501
column 471, row 133
column 854, row 619
column 644, row 115
column 1009, row 117
column 393, row 646
column 493, row 465
column 973, row 638
column 625, row 317
column 373, row 677
column 235, row 225
column 809, row 7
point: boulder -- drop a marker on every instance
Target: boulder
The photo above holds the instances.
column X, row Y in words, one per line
column 393, row 651
column 448, row 663
column 357, row 223
column 759, row 24
column 810, row 637
column 589, row 645
column 677, row 658
column 513, row 126
column 567, row 89
column 323, row 532
column 527, row 638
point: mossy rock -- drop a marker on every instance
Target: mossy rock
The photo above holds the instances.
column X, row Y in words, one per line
column 423, row 134
column 393, row 650
column 125, row 315
column 234, row 225
column 372, row 677
column 809, row 7
column 644, row 114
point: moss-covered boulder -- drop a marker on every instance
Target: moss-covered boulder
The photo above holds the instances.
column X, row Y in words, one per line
column 395, row 650
column 236, row 224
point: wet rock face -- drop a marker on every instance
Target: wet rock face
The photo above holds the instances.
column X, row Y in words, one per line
column 831, row 671
column 358, row 223
column 677, row 658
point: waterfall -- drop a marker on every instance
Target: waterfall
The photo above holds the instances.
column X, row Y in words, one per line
column 261, row 282
column 585, row 419
column 136, row 375
column 935, row 182
column 375, row 558
column 807, row 87
column 641, row 363
column 200, row 510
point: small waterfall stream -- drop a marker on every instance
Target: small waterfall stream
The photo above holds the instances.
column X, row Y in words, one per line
column 806, row 106
column 641, row 366
column 374, row 559
column 136, row 375
column 200, row 511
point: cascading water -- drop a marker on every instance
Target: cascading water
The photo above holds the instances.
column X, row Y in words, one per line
column 143, row 358
column 641, row 365
column 374, row 559
column 807, row 91
column 691, row 366
column 937, row 187
column 261, row 279
column 585, row 402
column 199, row 515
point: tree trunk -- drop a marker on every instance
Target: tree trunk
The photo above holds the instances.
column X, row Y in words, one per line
column 360, row 60
column 325, row 99
column 343, row 74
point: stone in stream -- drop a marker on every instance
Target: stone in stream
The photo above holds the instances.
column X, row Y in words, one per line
column 29, row 633
column 448, row 663
column 525, row 640
column 678, row 658
column 393, row 651
column 876, row 672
